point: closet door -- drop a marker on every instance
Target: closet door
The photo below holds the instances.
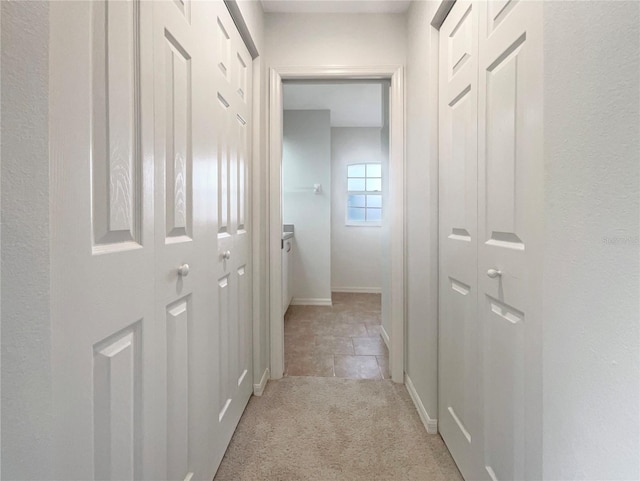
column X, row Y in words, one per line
column 459, row 416
column 109, row 400
column 185, row 237
column 510, row 183
column 202, row 113
column 231, row 90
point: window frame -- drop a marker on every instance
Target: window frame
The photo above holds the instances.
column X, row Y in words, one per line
column 366, row 194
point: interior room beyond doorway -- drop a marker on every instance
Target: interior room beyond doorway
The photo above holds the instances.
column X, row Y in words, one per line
column 335, row 166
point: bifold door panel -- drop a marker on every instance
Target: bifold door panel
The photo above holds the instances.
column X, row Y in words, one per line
column 459, row 417
column 490, row 192
column 151, row 330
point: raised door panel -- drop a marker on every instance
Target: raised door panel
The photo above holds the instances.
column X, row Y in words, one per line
column 243, row 352
column 458, row 344
column 504, row 178
column 179, row 352
column 226, row 388
column 184, row 7
column 117, row 406
column 178, row 169
column 116, row 144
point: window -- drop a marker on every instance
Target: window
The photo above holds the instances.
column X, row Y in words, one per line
column 364, row 194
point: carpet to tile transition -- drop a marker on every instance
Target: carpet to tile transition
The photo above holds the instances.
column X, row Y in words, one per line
column 310, row 428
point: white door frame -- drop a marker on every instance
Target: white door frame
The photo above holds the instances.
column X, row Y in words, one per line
column 396, row 198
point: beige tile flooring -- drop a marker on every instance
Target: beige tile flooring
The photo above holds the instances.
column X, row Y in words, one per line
column 339, row 341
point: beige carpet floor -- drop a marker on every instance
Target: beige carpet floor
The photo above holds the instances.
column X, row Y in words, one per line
column 324, row 429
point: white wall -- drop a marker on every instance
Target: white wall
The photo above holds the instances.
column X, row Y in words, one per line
column 306, row 160
column 591, row 373
column 355, row 250
column 301, row 39
column 422, row 204
column 26, row 323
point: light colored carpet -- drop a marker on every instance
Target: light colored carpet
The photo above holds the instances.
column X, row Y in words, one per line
column 312, row 428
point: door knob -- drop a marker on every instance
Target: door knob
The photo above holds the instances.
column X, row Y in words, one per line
column 493, row 273
column 183, row 270
column 226, row 255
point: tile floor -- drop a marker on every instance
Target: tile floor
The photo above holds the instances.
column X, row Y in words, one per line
column 339, row 341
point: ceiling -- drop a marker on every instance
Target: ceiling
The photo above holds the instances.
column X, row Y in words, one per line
column 335, row 6
column 351, row 104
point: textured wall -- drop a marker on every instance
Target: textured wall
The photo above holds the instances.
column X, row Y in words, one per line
column 26, row 328
column 422, row 203
column 334, row 39
column 591, row 267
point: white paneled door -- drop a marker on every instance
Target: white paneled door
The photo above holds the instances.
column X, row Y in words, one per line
column 459, row 418
column 490, row 200
column 107, row 353
column 230, row 91
column 150, row 116
column 510, row 183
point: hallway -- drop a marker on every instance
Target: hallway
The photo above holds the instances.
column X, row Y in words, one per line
column 199, row 199
column 322, row 429
column 312, row 425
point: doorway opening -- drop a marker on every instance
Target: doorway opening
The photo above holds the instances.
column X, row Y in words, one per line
column 335, row 166
column 336, row 223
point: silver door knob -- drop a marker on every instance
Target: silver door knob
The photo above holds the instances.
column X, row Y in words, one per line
column 226, row 255
column 183, row 270
column 493, row 273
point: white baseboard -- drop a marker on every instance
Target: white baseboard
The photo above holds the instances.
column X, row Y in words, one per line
column 358, row 290
column 385, row 337
column 300, row 301
column 431, row 425
column 258, row 389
